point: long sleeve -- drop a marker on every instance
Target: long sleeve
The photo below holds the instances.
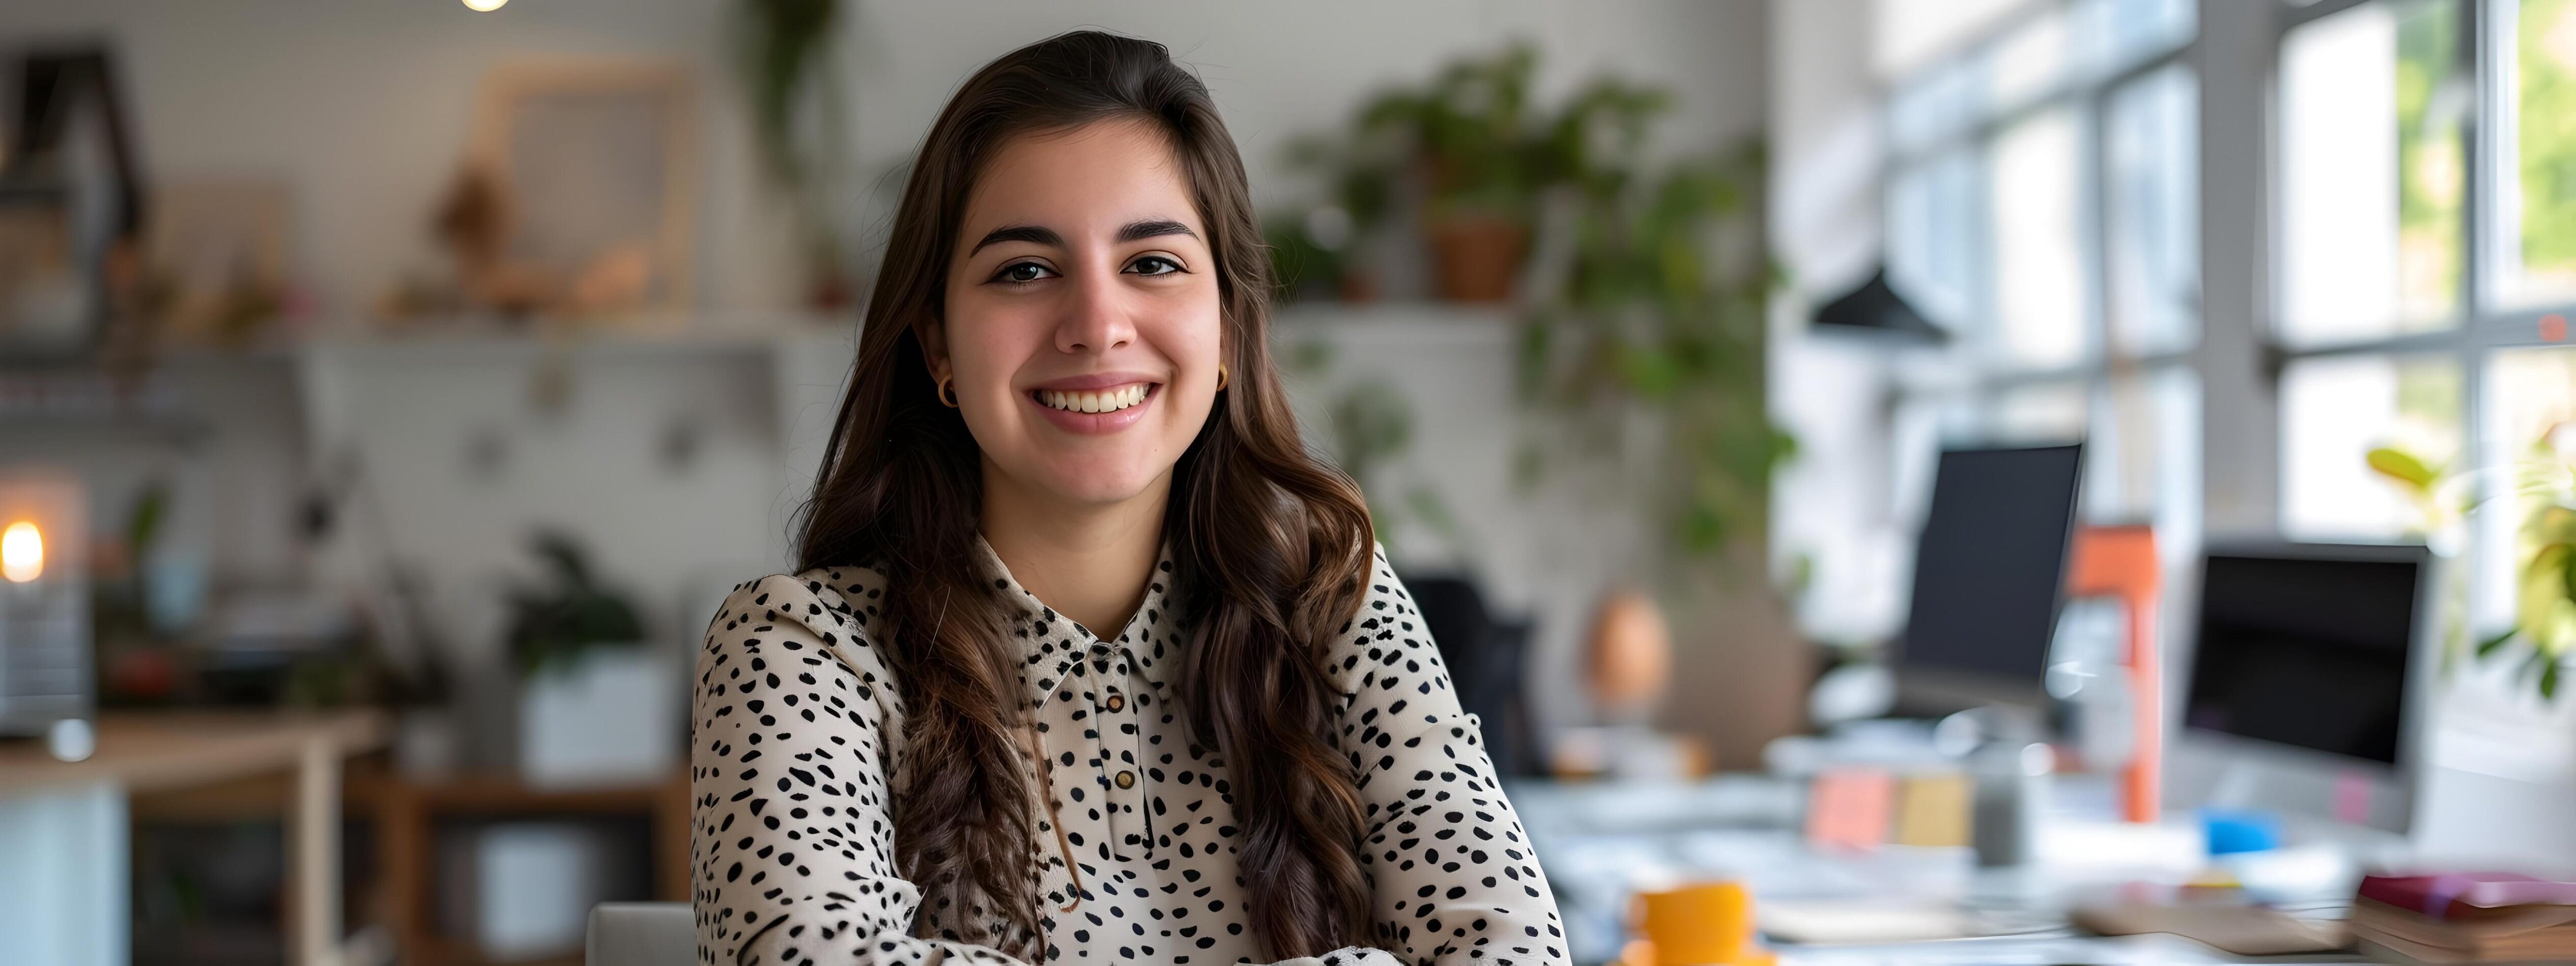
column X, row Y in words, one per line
column 1455, row 878
column 792, row 847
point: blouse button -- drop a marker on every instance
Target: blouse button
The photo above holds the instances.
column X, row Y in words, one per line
column 1126, row 779
column 1116, row 702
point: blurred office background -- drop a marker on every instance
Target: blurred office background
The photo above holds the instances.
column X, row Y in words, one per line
column 394, row 387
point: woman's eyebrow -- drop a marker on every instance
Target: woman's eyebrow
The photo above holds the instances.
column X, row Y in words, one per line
column 1040, row 235
column 1152, row 228
column 1011, row 233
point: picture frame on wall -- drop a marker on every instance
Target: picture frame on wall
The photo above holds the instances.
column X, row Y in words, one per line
column 596, row 168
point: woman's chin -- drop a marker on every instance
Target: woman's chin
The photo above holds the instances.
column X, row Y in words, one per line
column 1092, row 481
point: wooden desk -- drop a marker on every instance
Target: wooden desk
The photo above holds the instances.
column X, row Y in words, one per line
column 145, row 752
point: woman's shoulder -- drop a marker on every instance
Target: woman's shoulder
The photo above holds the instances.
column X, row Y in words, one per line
column 835, row 604
column 1385, row 632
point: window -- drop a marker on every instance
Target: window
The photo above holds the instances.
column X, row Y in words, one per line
column 2535, row 214
column 2041, row 205
column 2425, row 202
column 2372, row 105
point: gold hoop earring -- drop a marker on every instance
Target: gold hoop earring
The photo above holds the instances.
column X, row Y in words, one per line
column 1220, row 377
column 947, row 392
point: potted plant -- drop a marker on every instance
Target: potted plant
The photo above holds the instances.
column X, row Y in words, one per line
column 2545, row 584
column 595, row 705
column 2545, row 574
column 1468, row 144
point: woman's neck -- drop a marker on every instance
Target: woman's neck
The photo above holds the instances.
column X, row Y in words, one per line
column 1087, row 561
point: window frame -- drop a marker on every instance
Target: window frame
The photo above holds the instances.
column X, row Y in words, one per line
column 2485, row 324
column 1975, row 369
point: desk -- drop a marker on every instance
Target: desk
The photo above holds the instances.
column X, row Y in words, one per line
column 72, row 815
column 1600, row 842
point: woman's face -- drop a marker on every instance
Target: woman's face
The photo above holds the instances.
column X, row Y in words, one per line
column 1083, row 326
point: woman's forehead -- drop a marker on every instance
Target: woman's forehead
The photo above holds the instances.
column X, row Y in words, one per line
column 1082, row 182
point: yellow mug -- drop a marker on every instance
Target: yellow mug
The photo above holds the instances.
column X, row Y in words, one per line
column 1710, row 922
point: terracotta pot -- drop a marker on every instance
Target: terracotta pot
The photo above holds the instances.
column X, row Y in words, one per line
column 1477, row 258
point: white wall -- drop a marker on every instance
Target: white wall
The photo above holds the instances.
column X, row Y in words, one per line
column 363, row 108
column 1279, row 70
column 1835, row 506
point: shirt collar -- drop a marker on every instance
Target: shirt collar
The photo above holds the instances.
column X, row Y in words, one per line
column 1052, row 644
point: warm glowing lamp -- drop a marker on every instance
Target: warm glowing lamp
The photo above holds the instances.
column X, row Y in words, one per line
column 22, row 552
column 44, row 602
column 484, row 6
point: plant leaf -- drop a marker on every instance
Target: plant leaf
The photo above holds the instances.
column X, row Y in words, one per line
column 2488, row 647
column 2403, row 467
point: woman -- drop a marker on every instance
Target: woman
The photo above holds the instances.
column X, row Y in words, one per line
column 1090, row 660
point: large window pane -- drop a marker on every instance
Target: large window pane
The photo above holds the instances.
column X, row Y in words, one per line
column 2372, row 102
column 2038, row 280
column 2027, row 62
column 2110, row 35
column 1935, row 105
column 1933, row 235
column 2144, row 451
column 2538, row 194
column 2334, row 411
column 2037, row 413
column 2151, row 195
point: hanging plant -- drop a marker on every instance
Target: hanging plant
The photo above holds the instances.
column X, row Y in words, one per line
column 1661, row 311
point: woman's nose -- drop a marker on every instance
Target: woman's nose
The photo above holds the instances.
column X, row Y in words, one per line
column 1096, row 318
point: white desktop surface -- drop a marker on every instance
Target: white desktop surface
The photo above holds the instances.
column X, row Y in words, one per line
column 1601, row 842
column 2147, row 950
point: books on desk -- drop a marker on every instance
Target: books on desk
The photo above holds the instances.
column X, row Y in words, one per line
column 2468, row 918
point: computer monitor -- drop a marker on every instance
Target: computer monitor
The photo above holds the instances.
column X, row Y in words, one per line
column 2305, row 678
column 1989, row 573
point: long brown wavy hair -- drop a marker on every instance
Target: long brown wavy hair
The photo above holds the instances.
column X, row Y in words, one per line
column 1271, row 547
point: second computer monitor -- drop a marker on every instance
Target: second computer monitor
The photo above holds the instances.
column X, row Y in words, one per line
column 1989, row 572
column 2305, row 680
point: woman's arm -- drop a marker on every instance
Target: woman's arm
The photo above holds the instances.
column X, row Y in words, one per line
column 1456, row 880
column 793, row 841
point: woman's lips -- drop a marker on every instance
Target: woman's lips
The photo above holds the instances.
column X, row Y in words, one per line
column 1112, row 408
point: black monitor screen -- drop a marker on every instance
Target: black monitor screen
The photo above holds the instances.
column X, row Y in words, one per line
column 1991, row 562
column 2307, row 648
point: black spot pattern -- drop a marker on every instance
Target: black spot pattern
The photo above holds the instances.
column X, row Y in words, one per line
column 795, row 724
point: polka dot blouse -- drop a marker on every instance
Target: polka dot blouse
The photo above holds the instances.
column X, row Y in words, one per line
column 796, row 726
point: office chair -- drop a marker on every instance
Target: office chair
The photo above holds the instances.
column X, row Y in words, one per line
column 641, row 934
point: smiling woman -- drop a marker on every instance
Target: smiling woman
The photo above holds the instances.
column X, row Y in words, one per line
column 1089, row 658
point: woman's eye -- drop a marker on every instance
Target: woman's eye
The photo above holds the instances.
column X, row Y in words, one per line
column 1022, row 272
column 1153, row 265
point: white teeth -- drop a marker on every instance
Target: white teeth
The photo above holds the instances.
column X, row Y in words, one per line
column 1109, row 401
